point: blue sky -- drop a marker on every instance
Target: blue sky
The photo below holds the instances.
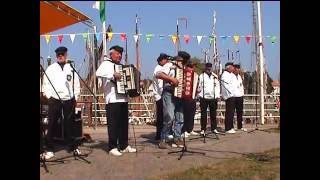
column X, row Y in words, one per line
column 159, row 17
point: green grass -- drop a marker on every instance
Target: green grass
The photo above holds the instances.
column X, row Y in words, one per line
column 252, row 166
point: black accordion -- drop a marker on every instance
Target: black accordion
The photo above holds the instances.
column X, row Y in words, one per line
column 130, row 80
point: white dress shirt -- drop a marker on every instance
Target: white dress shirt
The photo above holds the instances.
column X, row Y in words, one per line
column 106, row 71
column 62, row 82
column 239, row 87
column 228, row 85
column 157, row 83
column 168, row 69
column 209, row 86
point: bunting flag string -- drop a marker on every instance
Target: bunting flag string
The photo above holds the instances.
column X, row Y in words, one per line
column 174, row 39
column 123, row 36
column 48, row 37
column 72, row 36
column 236, row 38
column 135, row 37
column 60, row 37
column 248, row 38
column 186, row 38
column 199, row 39
column 149, row 36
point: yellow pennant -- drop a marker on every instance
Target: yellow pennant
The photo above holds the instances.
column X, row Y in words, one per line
column 48, row 37
column 110, row 34
column 174, row 39
column 236, row 38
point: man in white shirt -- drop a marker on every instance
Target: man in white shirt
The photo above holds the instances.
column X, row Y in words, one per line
column 62, row 88
column 239, row 93
column 228, row 88
column 172, row 106
column 116, row 104
column 157, row 92
column 209, row 93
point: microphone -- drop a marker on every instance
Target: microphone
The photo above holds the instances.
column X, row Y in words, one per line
column 70, row 61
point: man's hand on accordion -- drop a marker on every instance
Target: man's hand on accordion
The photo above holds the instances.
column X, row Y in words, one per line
column 174, row 82
column 117, row 76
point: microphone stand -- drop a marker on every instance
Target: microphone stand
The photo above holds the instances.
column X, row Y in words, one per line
column 42, row 131
column 184, row 148
column 79, row 141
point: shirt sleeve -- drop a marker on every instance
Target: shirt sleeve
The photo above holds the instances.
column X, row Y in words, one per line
column 76, row 86
column 105, row 70
column 46, row 86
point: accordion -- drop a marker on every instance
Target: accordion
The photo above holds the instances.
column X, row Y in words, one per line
column 188, row 82
column 130, row 80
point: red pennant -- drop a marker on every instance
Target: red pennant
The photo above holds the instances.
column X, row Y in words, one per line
column 123, row 37
column 186, row 38
column 60, row 37
column 248, row 39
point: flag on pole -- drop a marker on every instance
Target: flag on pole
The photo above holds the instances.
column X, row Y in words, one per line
column 102, row 11
column 100, row 5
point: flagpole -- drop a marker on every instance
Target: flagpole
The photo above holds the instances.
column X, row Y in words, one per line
column 260, row 65
column 94, row 79
column 104, row 39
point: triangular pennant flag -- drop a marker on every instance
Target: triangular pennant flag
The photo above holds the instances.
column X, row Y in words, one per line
column 174, row 39
column 211, row 39
column 85, row 36
column 186, row 38
column 72, row 36
column 236, row 38
column 60, row 37
column 273, row 39
column 248, row 39
column 110, row 34
column 149, row 36
column 199, row 39
column 98, row 36
column 123, row 36
column 223, row 38
column 47, row 37
column 135, row 38
column 161, row 37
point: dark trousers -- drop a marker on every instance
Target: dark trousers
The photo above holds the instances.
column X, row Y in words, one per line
column 230, row 107
column 159, row 123
column 118, row 122
column 189, row 111
column 239, row 110
column 212, row 103
column 54, row 115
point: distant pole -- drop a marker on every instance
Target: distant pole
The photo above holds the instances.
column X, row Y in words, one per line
column 261, row 65
column 138, row 64
column 178, row 38
column 126, row 57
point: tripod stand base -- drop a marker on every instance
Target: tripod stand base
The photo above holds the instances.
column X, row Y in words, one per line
column 204, row 136
column 44, row 165
column 184, row 150
column 75, row 155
